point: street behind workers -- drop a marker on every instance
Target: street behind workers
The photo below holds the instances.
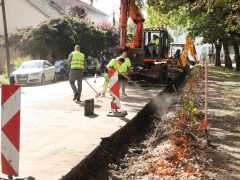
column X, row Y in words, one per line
column 77, row 63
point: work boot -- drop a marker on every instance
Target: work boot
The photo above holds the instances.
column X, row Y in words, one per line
column 124, row 93
column 76, row 96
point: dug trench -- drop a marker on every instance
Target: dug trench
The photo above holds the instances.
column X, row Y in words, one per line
column 105, row 161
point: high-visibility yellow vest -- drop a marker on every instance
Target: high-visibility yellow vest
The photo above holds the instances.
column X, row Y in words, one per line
column 156, row 41
column 77, row 60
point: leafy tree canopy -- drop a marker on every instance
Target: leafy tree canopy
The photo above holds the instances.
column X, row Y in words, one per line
column 57, row 37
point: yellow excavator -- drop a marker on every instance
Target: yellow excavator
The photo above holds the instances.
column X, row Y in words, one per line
column 182, row 59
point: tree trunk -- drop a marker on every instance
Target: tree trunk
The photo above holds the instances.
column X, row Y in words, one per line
column 237, row 54
column 228, row 61
column 218, row 51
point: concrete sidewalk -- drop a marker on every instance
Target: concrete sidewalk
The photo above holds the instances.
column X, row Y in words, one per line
column 55, row 134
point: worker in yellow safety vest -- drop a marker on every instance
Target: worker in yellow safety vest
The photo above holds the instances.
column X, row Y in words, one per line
column 116, row 64
column 153, row 45
column 77, row 63
column 125, row 68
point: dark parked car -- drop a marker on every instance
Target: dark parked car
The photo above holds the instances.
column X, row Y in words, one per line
column 93, row 66
column 62, row 69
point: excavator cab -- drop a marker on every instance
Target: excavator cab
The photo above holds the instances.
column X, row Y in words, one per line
column 176, row 50
column 155, row 49
column 156, row 44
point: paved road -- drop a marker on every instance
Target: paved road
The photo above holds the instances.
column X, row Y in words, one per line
column 55, row 134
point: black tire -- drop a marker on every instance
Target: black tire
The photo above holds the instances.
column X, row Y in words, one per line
column 165, row 73
column 64, row 76
column 67, row 75
column 43, row 79
column 55, row 78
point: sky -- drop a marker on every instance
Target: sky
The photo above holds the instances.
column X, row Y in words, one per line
column 106, row 6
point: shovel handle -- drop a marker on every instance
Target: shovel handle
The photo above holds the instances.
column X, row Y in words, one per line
column 91, row 86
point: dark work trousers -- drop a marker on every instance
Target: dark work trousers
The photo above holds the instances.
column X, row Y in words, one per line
column 76, row 75
column 123, row 81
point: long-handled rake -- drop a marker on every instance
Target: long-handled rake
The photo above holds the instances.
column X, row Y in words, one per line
column 97, row 94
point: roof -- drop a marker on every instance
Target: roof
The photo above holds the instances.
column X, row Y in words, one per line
column 49, row 9
column 154, row 29
column 66, row 4
column 86, row 5
column 56, row 8
column 177, row 44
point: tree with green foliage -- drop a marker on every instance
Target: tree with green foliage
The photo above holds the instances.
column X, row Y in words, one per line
column 111, row 34
column 203, row 18
column 57, row 37
column 233, row 28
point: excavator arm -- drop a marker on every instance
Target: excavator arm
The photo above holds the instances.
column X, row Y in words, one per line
column 130, row 9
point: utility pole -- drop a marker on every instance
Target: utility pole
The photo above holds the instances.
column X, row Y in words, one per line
column 6, row 36
column 113, row 18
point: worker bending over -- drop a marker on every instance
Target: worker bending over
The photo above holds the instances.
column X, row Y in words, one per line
column 113, row 64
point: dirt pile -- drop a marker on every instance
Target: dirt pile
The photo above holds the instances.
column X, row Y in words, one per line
column 175, row 149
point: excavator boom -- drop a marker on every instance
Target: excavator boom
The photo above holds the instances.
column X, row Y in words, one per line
column 130, row 9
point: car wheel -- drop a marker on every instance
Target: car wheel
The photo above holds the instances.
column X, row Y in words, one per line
column 43, row 79
column 55, row 78
column 64, row 76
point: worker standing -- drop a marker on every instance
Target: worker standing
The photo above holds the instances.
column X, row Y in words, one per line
column 153, row 45
column 125, row 68
column 77, row 63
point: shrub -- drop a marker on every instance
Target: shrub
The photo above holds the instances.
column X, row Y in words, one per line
column 18, row 61
column 3, row 79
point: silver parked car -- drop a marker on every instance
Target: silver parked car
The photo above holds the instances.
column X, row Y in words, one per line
column 34, row 71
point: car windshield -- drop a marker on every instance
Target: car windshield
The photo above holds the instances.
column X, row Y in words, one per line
column 58, row 63
column 90, row 62
column 31, row 64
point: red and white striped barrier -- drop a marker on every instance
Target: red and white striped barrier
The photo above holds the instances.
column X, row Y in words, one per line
column 10, row 123
column 114, row 89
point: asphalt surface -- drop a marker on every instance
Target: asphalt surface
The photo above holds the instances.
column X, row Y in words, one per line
column 55, row 134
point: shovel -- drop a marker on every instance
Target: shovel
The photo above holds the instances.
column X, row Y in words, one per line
column 135, row 84
column 97, row 94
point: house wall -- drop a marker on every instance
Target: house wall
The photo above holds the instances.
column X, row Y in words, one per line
column 20, row 14
column 96, row 17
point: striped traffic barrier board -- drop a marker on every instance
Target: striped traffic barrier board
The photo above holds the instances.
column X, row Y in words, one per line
column 10, row 131
column 114, row 89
